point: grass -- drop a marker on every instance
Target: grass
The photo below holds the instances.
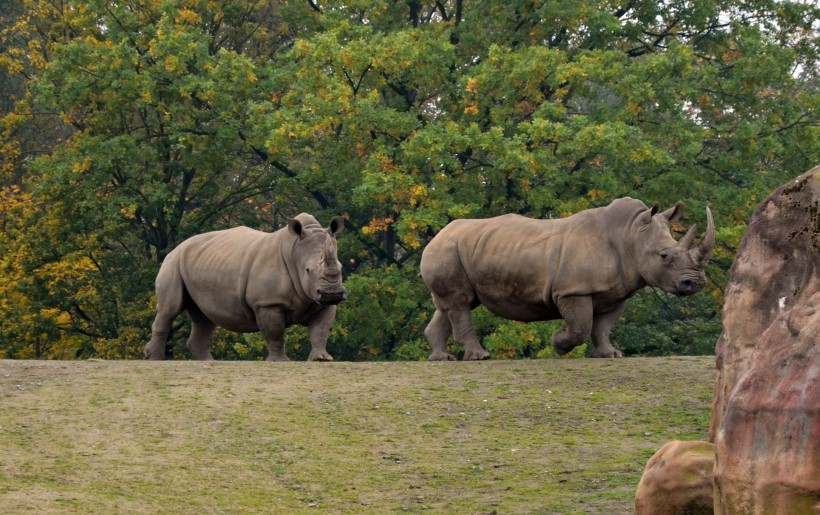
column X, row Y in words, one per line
column 546, row 436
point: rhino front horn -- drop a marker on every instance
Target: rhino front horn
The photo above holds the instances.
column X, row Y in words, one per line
column 703, row 251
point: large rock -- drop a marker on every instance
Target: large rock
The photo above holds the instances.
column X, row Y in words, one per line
column 768, row 443
column 776, row 269
column 678, row 480
column 766, row 410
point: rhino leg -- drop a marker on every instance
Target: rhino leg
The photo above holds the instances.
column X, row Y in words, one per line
column 272, row 325
column 155, row 348
column 577, row 314
column 601, row 327
column 438, row 331
column 318, row 329
column 170, row 303
column 464, row 333
column 202, row 334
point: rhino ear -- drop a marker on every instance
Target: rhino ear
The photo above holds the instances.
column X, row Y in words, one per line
column 295, row 228
column 674, row 213
column 337, row 225
column 646, row 216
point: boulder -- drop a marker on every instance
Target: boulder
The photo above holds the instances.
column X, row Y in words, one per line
column 776, row 269
column 766, row 410
column 678, row 480
column 768, row 442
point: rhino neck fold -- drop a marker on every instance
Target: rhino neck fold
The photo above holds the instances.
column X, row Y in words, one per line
column 289, row 259
column 621, row 245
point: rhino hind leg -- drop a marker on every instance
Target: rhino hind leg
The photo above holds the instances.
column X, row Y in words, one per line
column 577, row 314
column 170, row 303
column 155, row 348
column 438, row 331
column 202, row 334
column 464, row 333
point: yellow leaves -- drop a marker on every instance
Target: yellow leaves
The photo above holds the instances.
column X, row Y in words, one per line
column 171, row 64
column 188, row 17
column 377, row 225
column 129, row 212
column 82, row 166
column 472, row 93
column 417, row 192
column 36, row 55
column 303, row 46
column 596, row 195
column 472, row 86
column 72, row 273
column 14, row 203
column 730, row 56
column 12, row 66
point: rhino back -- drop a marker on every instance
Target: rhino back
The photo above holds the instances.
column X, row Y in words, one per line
column 220, row 271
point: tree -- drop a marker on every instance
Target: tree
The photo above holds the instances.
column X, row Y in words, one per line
column 181, row 116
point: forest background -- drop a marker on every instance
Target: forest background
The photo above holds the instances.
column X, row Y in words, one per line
column 127, row 126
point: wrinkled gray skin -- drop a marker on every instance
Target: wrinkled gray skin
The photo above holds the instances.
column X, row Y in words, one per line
column 582, row 268
column 246, row 281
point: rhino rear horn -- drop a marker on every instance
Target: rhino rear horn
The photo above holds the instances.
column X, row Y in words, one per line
column 703, row 251
column 688, row 241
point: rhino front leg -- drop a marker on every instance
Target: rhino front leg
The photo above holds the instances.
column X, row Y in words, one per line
column 272, row 325
column 438, row 331
column 601, row 327
column 577, row 314
column 318, row 330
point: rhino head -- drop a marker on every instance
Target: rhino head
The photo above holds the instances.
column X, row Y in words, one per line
column 673, row 266
column 320, row 272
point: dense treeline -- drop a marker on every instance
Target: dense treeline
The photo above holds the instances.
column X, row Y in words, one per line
column 130, row 125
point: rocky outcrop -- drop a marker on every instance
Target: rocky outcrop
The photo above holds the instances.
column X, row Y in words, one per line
column 677, row 480
column 777, row 268
column 768, row 442
column 765, row 422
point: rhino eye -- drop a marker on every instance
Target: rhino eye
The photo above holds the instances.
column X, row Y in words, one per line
column 665, row 256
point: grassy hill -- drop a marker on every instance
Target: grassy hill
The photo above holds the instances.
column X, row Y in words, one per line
column 546, row 436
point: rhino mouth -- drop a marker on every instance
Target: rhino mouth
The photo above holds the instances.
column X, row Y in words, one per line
column 688, row 287
column 330, row 296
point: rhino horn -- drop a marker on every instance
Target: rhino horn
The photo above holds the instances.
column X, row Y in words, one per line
column 703, row 251
column 688, row 240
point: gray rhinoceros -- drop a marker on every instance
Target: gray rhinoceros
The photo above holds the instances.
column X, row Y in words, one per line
column 582, row 268
column 246, row 281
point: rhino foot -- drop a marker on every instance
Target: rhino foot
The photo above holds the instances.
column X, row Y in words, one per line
column 319, row 356
column 153, row 355
column 476, row 355
column 607, row 352
column 441, row 356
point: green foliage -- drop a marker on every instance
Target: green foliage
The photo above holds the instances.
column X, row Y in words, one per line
column 660, row 324
column 384, row 316
column 147, row 122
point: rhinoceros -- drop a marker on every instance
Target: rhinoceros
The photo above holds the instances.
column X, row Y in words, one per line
column 246, row 280
column 582, row 268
